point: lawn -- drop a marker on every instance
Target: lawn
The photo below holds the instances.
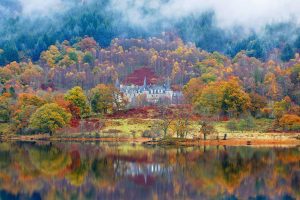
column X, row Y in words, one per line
column 127, row 127
column 261, row 125
column 135, row 127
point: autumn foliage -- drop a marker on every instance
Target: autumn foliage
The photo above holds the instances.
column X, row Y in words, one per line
column 79, row 76
column 290, row 122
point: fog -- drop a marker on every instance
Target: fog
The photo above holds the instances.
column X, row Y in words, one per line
column 227, row 26
column 251, row 14
column 42, row 7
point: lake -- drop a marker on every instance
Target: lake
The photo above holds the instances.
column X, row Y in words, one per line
column 126, row 171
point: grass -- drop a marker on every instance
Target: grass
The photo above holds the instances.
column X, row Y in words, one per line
column 261, row 125
column 135, row 127
column 117, row 128
column 126, row 127
column 4, row 129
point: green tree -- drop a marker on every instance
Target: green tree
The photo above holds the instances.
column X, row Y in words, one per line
column 73, row 56
column 210, row 101
column 107, row 98
column 5, row 107
column 258, row 102
column 297, row 43
column 88, row 58
column 79, row 99
column 281, row 107
column 101, row 100
column 287, row 53
column 49, row 118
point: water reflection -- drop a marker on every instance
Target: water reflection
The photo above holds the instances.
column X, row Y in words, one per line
column 124, row 171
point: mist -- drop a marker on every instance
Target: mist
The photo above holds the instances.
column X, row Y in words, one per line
column 43, row 7
column 252, row 14
column 227, row 26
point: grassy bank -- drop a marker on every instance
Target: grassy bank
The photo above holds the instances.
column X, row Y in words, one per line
column 132, row 129
column 135, row 127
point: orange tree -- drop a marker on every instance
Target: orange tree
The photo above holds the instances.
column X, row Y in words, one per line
column 290, row 122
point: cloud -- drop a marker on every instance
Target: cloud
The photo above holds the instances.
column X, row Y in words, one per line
column 248, row 13
column 252, row 14
column 43, row 7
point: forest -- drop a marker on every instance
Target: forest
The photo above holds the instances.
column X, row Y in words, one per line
column 59, row 67
column 74, row 81
column 149, row 99
column 24, row 36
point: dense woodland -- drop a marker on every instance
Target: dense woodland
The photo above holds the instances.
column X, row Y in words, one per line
column 25, row 37
column 73, row 81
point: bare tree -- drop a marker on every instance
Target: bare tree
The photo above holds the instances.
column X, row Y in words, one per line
column 206, row 128
column 165, row 119
column 181, row 124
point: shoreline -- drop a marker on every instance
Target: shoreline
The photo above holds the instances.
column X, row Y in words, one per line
column 287, row 141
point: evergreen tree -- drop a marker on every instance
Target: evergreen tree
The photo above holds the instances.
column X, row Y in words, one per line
column 287, row 53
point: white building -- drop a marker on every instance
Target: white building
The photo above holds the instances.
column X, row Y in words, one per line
column 152, row 93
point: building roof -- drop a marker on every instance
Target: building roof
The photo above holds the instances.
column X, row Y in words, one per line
column 138, row 76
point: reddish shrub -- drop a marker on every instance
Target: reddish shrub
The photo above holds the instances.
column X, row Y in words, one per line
column 290, row 122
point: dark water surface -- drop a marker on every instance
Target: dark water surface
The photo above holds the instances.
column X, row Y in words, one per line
column 125, row 171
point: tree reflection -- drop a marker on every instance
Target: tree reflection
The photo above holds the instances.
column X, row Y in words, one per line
column 102, row 171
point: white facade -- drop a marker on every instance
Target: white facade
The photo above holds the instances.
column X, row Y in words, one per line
column 151, row 93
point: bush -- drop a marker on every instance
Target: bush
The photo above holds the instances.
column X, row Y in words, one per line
column 245, row 124
column 290, row 122
column 148, row 134
column 152, row 133
column 267, row 113
column 232, row 125
column 135, row 121
column 112, row 131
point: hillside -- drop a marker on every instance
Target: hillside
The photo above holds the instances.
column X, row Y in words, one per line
column 215, row 85
column 29, row 27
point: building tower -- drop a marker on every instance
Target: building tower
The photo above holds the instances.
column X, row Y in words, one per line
column 168, row 84
column 145, row 83
column 117, row 84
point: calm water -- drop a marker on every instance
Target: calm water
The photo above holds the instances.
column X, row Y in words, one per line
column 124, row 171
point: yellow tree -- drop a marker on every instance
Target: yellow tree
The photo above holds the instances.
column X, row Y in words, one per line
column 79, row 99
column 32, row 75
column 209, row 102
column 51, row 56
column 176, row 71
column 25, row 106
column 273, row 89
column 235, row 100
column 192, row 90
column 49, row 118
